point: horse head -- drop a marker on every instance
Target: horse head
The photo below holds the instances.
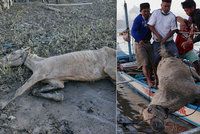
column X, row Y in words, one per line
column 155, row 116
column 15, row 58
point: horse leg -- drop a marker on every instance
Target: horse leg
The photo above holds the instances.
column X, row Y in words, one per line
column 110, row 71
column 197, row 92
column 45, row 91
column 29, row 83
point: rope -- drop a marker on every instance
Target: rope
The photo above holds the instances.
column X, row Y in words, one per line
column 188, row 114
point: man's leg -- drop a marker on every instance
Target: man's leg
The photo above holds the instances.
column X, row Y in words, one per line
column 194, row 59
column 171, row 47
column 142, row 57
column 146, row 72
column 156, row 55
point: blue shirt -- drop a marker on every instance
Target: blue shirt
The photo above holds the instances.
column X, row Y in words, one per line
column 140, row 30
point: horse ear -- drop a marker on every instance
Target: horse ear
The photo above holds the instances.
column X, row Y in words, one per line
column 142, row 105
column 27, row 49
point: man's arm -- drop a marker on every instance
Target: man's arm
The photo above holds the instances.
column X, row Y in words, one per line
column 153, row 30
column 197, row 23
column 151, row 24
column 169, row 34
column 196, row 39
column 135, row 30
column 173, row 29
column 181, row 20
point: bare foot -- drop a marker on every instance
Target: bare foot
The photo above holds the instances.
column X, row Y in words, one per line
column 150, row 83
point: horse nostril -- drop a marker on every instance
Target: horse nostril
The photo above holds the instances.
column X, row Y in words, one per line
column 157, row 125
column 166, row 116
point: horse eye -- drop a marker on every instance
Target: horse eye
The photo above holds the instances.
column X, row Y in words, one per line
column 149, row 110
column 166, row 116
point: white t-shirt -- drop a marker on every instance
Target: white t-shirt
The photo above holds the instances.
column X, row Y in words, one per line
column 163, row 23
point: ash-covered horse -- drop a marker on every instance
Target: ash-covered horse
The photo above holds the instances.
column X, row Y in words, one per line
column 90, row 65
column 176, row 89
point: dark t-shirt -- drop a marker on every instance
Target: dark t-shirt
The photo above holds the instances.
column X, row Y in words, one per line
column 196, row 20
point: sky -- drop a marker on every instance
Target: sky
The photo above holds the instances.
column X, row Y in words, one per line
column 154, row 4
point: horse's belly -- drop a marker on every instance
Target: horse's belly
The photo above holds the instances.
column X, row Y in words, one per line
column 79, row 73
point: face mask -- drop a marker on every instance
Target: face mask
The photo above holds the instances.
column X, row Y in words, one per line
column 165, row 14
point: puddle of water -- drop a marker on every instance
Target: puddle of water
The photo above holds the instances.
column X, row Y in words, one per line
column 125, row 106
column 128, row 107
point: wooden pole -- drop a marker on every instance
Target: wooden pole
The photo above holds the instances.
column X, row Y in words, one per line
column 127, row 27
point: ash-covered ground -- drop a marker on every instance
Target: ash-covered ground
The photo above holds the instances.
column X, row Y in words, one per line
column 88, row 107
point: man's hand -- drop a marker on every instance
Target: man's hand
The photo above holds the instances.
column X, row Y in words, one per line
column 186, row 44
column 141, row 42
column 153, row 30
column 191, row 33
column 159, row 38
column 163, row 41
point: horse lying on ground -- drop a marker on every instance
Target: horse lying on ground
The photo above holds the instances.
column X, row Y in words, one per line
column 176, row 89
column 87, row 65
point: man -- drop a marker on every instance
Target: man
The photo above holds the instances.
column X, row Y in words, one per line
column 187, row 52
column 142, row 36
column 163, row 25
column 189, row 7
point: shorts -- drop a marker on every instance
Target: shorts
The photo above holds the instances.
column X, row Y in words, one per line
column 190, row 55
column 143, row 54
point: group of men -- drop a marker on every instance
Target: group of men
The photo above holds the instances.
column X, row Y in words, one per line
column 162, row 24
